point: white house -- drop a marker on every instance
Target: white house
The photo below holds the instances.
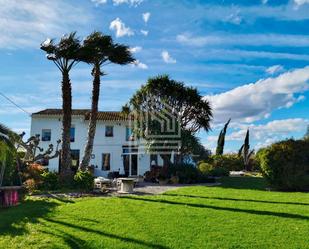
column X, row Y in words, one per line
column 112, row 150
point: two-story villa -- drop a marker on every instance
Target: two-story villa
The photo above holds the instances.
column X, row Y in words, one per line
column 112, row 150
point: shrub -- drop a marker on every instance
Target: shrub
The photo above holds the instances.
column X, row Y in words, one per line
column 31, row 176
column 30, row 185
column 228, row 161
column 153, row 174
column 84, row 180
column 286, row 164
column 50, row 180
column 205, row 168
column 186, row 173
column 219, row 171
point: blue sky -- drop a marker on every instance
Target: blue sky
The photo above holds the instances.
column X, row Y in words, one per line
column 249, row 58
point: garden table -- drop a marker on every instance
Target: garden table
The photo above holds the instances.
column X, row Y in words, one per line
column 126, row 186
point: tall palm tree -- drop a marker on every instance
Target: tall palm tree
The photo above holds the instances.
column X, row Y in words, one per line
column 65, row 56
column 99, row 50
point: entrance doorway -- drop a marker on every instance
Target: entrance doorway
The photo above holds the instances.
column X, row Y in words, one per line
column 130, row 161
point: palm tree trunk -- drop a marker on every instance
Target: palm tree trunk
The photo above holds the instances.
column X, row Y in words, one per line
column 65, row 167
column 93, row 117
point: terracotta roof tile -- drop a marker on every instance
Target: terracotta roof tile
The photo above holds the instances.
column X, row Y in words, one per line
column 106, row 115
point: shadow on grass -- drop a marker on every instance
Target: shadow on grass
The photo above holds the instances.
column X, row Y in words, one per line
column 238, row 210
column 105, row 234
column 253, row 183
column 235, row 199
column 60, row 198
column 13, row 219
column 71, row 241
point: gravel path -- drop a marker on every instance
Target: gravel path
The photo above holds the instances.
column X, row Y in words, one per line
column 156, row 189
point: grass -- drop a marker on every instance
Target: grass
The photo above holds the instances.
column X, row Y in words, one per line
column 238, row 214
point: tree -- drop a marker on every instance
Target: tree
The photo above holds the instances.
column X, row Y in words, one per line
column 161, row 95
column 99, row 50
column 221, row 139
column 6, row 136
column 6, row 145
column 192, row 148
column 307, row 133
column 245, row 151
column 64, row 55
column 12, row 143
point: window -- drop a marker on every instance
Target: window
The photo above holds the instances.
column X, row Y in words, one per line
column 153, row 160
column 128, row 134
column 109, row 131
column 72, row 134
column 46, row 134
column 106, row 161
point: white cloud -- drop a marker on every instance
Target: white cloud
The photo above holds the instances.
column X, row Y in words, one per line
column 146, row 16
column 243, row 39
column 301, row 2
column 167, row 58
column 139, row 64
column 98, row 2
column 134, row 3
column 120, row 28
column 28, row 23
column 238, row 55
column 144, row 32
column 264, row 1
column 257, row 100
column 234, row 18
column 264, row 134
column 135, row 49
column 274, row 69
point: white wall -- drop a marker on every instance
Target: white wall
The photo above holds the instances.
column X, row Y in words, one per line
column 102, row 144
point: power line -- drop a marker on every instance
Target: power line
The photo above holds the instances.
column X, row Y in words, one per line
column 11, row 101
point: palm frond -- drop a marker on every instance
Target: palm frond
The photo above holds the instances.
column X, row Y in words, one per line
column 121, row 55
column 7, row 135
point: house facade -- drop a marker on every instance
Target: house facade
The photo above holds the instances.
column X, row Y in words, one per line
column 113, row 149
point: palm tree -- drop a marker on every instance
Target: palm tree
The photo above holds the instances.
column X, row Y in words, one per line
column 100, row 50
column 6, row 135
column 65, row 56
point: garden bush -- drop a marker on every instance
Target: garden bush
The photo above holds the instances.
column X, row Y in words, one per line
column 84, row 180
column 286, row 164
column 205, row 168
column 231, row 162
column 219, row 171
column 30, row 185
column 50, row 180
column 31, row 176
column 187, row 173
column 153, row 174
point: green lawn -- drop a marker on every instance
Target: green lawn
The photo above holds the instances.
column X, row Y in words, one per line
column 238, row 214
